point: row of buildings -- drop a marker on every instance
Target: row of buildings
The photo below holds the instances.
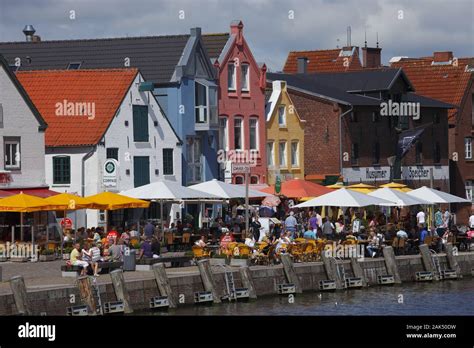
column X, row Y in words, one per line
column 85, row 116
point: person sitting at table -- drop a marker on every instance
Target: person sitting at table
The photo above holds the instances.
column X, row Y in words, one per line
column 250, row 241
column 201, row 242
column 226, row 239
column 373, row 245
column 145, row 249
column 125, row 237
column 155, row 247
column 402, row 234
column 423, row 233
column 283, row 242
column 75, row 259
column 116, row 251
column 310, row 234
column 86, row 254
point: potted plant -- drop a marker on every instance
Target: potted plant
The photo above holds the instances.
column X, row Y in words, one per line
column 240, row 260
column 219, row 259
column 67, row 252
column 47, row 255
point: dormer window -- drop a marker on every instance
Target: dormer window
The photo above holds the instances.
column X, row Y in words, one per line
column 74, row 66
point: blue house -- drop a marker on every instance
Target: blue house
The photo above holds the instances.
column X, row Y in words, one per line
column 177, row 68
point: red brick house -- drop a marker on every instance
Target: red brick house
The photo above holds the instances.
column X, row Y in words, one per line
column 450, row 79
column 242, row 136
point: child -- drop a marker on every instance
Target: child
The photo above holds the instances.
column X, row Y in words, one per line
column 95, row 254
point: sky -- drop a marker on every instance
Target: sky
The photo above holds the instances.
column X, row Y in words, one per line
column 272, row 27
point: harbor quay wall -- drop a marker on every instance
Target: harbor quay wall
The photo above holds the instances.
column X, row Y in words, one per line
column 55, row 301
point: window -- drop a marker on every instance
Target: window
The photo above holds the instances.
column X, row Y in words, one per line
column 168, row 162
column 355, row 154
column 245, row 77
column 294, row 154
column 468, row 148
column 193, row 158
column 270, row 153
column 403, row 122
column 112, row 152
column 375, row 116
column 353, row 116
column 419, row 153
column 223, row 134
column 231, row 80
column 140, row 123
column 254, row 180
column 253, row 129
column 141, row 171
column 200, row 101
column 282, row 116
column 12, row 153
column 469, row 190
column 376, row 153
column 61, row 170
column 238, row 134
column 437, row 153
column 282, row 153
column 436, row 118
column 239, row 180
column 74, row 66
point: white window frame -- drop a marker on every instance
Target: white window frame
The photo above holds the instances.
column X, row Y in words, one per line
column 271, row 153
column 242, row 143
column 285, row 164
column 297, row 154
column 256, row 134
column 282, row 107
column 17, row 164
column 203, row 109
column 232, row 87
column 468, row 148
column 247, row 77
column 225, row 130
column 469, row 190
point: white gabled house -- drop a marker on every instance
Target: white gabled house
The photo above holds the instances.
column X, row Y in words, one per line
column 106, row 132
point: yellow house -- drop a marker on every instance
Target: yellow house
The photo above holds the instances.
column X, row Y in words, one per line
column 285, row 136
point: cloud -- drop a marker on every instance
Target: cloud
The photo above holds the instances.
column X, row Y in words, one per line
column 272, row 28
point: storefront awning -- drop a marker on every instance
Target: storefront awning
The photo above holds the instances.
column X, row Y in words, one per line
column 41, row 192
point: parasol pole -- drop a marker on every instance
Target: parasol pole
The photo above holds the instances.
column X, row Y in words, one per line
column 13, row 234
column 21, row 226
column 161, row 216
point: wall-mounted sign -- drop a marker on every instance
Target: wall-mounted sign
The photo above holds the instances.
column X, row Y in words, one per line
column 109, row 176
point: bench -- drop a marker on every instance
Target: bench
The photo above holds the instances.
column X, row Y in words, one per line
column 104, row 267
column 146, row 264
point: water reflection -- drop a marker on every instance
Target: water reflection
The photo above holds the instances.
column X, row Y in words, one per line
column 438, row 298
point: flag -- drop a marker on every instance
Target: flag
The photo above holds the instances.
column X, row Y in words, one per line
column 407, row 139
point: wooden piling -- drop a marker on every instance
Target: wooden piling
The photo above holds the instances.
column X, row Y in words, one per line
column 163, row 283
column 426, row 258
column 247, row 281
column 17, row 284
column 121, row 290
column 208, row 279
column 290, row 272
column 391, row 264
column 87, row 294
column 357, row 270
column 452, row 259
column 331, row 270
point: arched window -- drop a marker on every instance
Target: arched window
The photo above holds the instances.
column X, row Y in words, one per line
column 254, row 179
column 239, row 180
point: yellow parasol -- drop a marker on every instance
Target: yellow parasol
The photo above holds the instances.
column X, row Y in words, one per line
column 397, row 186
column 73, row 202
column 362, row 188
column 114, row 201
column 335, row 186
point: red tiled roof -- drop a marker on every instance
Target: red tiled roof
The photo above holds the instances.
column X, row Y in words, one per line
column 447, row 83
column 105, row 88
column 322, row 61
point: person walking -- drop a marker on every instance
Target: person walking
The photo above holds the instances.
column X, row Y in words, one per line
column 290, row 224
column 256, row 226
column 328, row 229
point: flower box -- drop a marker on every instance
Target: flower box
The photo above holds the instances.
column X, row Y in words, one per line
column 218, row 261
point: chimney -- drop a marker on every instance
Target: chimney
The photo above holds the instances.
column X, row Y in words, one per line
column 196, row 32
column 439, row 57
column 279, row 85
column 302, row 65
column 236, row 27
column 29, row 32
column 371, row 57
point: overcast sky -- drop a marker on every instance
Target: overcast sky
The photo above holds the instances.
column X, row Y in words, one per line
column 272, row 27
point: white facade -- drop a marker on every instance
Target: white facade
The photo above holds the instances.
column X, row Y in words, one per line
column 20, row 135
column 119, row 135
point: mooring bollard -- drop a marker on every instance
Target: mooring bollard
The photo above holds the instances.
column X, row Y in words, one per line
column 17, row 284
column 391, row 264
column 208, row 279
column 121, row 290
column 357, row 270
column 290, row 272
column 247, row 281
column 163, row 283
column 87, row 294
column 452, row 259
